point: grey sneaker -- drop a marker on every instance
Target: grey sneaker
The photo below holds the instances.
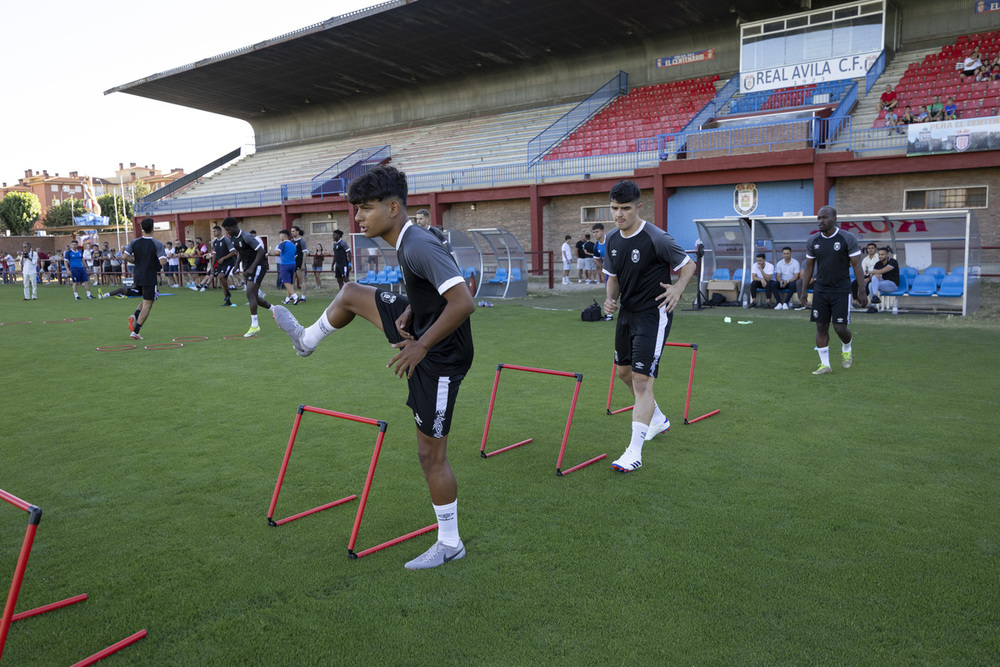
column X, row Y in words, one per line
column 439, row 554
column 287, row 323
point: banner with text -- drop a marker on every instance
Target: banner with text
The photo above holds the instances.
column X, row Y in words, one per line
column 685, row 58
column 953, row 136
column 983, row 7
column 803, row 74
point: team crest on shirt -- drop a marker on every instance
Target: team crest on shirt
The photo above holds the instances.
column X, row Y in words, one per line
column 635, row 255
column 836, row 246
column 388, row 297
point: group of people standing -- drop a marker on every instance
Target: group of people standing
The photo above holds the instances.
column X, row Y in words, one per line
column 589, row 256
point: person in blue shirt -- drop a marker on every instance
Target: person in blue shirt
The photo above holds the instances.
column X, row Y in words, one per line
column 286, row 252
column 73, row 258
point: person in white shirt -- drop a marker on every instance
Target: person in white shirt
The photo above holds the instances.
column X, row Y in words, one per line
column 762, row 273
column 786, row 272
column 868, row 265
column 567, row 258
column 29, row 271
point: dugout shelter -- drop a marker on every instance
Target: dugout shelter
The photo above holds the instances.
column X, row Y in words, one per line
column 943, row 245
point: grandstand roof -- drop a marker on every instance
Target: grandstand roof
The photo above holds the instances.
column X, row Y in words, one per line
column 407, row 42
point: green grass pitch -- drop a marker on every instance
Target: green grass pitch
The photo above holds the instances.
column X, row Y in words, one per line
column 844, row 519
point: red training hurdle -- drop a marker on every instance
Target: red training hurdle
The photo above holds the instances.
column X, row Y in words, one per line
column 569, row 419
column 687, row 400
column 9, row 617
column 382, row 426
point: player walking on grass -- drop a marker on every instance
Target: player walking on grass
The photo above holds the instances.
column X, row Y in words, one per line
column 429, row 328
column 73, row 258
column 254, row 258
column 148, row 255
column 638, row 260
column 832, row 252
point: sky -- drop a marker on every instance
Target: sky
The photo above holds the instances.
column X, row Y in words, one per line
column 59, row 57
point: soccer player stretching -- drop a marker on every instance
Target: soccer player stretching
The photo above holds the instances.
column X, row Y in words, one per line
column 429, row 327
column 149, row 256
column 638, row 260
column 832, row 251
column 254, row 257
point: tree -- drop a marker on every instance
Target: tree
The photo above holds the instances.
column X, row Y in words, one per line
column 140, row 189
column 112, row 206
column 60, row 215
column 19, row 212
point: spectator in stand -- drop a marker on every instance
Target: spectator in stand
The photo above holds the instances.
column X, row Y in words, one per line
column 887, row 101
column 970, row 65
column 867, row 265
column 892, row 121
column 951, row 109
column 936, row 109
column 922, row 116
column 995, row 72
column 763, row 278
column 907, row 118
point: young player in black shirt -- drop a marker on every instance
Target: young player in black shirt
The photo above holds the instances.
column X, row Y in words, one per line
column 429, row 327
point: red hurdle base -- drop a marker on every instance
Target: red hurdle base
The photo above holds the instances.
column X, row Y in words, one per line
column 687, row 400
column 569, row 420
column 114, row 648
column 382, row 426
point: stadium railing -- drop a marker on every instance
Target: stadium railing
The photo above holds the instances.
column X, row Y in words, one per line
column 575, row 117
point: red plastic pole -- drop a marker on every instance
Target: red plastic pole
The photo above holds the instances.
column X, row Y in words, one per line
column 390, row 543
column 543, row 371
column 15, row 584
column 15, row 501
column 569, row 421
column 49, row 607
column 368, row 486
column 705, row 416
column 100, row 655
column 508, row 447
column 611, row 386
column 489, row 412
column 687, row 399
column 342, row 415
column 284, row 466
column 343, row 500
column 583, row 465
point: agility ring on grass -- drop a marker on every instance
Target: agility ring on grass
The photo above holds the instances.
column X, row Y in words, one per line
column 164, row 346
column 56, row 321
column 4, row 324
column 77, row 319
column 382, row 426
column 189, row 339
column 117, row 348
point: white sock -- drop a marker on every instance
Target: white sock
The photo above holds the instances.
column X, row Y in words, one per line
column 447, row 516
column 824, row 355
column 253, row 321
column 317, row 332
column 638, row 437
column 88, row 292
column 847, row 346
column 658, row 415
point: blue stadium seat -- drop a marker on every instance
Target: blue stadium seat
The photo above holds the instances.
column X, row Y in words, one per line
column 938, row 272
column 515, row 273
column 902, row 289
column 469, row 272
column 391, row 276
column 957, row 271
column 368, row 279
column 952, row 285
column 738, row 275
column 721, row 274
column 910, row 272
column 500, row 277
column 381, row 278
column 923, row 285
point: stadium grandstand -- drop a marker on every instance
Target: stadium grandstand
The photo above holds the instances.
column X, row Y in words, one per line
column 521, row 115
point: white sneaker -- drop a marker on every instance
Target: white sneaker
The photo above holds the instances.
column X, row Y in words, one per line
column 287, row 323
column 656, row 428
column 439, row 554
column 628, row 461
